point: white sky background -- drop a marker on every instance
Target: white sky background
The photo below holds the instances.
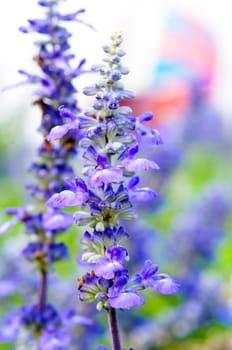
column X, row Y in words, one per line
column 142, row 23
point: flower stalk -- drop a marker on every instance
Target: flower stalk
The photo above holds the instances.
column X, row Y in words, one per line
column 114, row 329
column 42, row 291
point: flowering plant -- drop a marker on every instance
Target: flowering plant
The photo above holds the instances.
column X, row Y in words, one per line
column 110, row 145
column 43, row 224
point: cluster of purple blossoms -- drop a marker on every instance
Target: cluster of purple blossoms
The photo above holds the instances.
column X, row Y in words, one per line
column 199, row 232
column 196, row 237
column 51, row 166
column 110, row 147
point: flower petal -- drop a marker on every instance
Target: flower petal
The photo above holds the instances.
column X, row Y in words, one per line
column 67, row 198
column 60, row 130
column 165, row 284
column 139, row 164
column 105, row 176
column 106, row 268
column 143, row 194
column 57, row 221
column 126, row 300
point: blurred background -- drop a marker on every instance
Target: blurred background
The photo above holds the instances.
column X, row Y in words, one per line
column 179, row 54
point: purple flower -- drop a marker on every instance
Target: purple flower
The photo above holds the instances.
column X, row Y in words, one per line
column 76, row 195
column 97, row 165
column 143, row 194
column 71, row 317
column 58, row 131
column 113, row 261
column 105, row 176
column 125, row 299
column 92, row 289
column 19, row 215
column 54, row 220
column 148, row 278
column 55, row 340
column 164, row 284
column 148, row 134
column 121, row 296
column 148, row 271
column 139, row 164
column 61, row 130
column 7, row 287
column 9, row 331
column 45, row 252
column 67, row 198
column 140, row 194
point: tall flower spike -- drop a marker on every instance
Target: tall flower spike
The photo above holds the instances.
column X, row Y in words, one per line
column 110, row 149
column 50, row 168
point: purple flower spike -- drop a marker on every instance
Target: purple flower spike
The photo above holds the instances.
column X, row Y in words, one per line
column 110, row 149
column 40, row 324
